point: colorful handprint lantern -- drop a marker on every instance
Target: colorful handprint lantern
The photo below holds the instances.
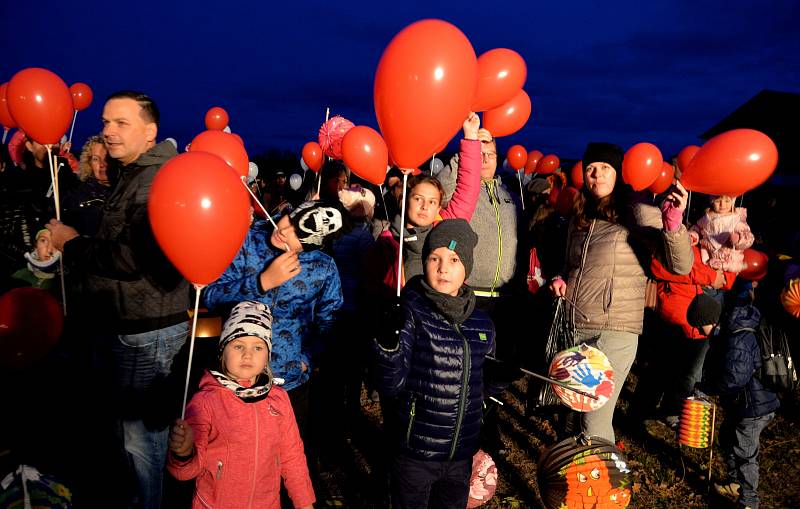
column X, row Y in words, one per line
column 587, row 370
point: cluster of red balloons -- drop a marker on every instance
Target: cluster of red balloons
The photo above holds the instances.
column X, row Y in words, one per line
column 205, row 188
column 429, row 79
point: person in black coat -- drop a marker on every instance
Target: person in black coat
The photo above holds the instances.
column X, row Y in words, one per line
column 431, row 359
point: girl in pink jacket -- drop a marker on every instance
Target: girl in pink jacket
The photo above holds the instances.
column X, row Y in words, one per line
column 723, row 235
column 240, row 436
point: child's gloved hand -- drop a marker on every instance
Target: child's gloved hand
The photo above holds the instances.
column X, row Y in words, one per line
column 181, row 439
column 391, row 322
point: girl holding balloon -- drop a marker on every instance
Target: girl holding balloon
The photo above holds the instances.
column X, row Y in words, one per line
column 603, row 279
column 424, row 208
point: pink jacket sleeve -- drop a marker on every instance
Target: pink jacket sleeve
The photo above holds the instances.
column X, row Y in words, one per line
column 468, row 182
column 744, row 237
column 294, row 469
column 199, row 418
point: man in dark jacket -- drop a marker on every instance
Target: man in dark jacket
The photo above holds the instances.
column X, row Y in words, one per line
column 748, row 406
column 432, row 363
column 139, row 300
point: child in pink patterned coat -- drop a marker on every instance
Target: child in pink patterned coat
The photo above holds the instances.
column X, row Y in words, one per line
column 723, row 235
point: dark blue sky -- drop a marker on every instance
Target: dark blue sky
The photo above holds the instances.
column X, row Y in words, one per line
column 627, row 71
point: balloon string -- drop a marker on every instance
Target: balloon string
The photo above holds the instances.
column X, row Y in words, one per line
column 402, row 231
column 54, row 179
column 198, row 289
column 521, row 198
column 433, row 158
column 5, row 134
column 74, row 116
column 385, row 210
column 688, row 207
column 260, row 205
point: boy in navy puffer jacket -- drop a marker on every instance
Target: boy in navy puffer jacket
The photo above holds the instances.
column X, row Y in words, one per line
column 432, row 364
column 748, row 406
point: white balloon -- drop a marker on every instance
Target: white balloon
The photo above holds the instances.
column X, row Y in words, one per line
column 436, row 166
column 295, row 181
column 227, row 129
column 173, row 141
column 303, row 164
column 63, row 139
column 505, row 164
column 252, row 172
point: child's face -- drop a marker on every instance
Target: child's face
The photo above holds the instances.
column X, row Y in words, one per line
column 444, row 271
column 722, row 205
column 44, row 249
column 245, row 358
column 423, row 204
column 286, row 236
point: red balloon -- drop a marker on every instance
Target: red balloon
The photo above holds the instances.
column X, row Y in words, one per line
column 576, row 174
column 641, row 165
column 424, row 87
column 81, row 96
column 533, row 159
column 312, row 155
column 756, row 265
column 216, row 119
column 548, row 164
column 5, row 116
column 664, row 179
column 365, row 153
column 501, row 74
column 685, row 156
column 225, row 145
column 200, row 213
column 40, row 103
column 732, row 163
column 566, row 201
column 510, row 117
column 517, row 157
column 30, row 326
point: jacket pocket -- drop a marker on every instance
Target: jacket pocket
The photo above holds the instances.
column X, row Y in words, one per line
column 608, row 294
column 412, row 413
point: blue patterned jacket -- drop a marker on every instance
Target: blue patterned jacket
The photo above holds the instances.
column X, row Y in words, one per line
column 303, row 308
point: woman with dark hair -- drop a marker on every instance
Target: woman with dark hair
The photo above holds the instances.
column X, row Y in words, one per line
column 610, row 241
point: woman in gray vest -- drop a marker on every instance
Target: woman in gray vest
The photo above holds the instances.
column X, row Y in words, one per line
column 610, row 240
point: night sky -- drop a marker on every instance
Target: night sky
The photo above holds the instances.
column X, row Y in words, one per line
column 628, row 71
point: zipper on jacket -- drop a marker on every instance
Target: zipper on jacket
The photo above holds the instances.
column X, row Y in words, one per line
column 493, row 199
column 411, row 416
column 462, row 399
column 580, row 271
column 255, row 458
column 219, row 470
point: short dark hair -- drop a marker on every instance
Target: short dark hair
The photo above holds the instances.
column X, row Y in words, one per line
column 149, row 112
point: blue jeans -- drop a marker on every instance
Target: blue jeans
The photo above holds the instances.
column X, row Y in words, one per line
column 142, row 363
column 739, row 440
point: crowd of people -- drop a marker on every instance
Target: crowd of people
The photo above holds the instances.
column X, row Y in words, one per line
column 429, row 306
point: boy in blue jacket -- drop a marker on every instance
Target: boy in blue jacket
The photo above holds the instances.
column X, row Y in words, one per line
column 285, row 269
column 431, row 362
column 748, row 406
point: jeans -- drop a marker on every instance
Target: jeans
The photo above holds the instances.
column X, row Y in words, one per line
column 620, row 348
column 739, row 440
column 141, row 364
